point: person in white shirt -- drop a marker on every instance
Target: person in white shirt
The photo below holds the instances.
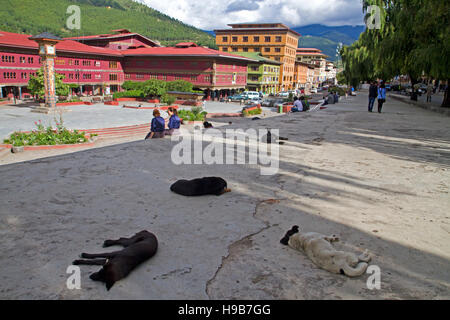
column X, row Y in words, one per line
column 298, row 105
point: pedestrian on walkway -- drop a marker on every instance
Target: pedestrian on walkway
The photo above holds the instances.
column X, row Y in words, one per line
column 381, row 96
column 429, row 91
column 373, row 93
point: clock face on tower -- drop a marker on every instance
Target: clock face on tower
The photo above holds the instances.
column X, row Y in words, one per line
column 50, row 49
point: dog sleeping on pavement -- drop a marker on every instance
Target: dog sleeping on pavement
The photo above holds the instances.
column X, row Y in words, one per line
column 319, row 249
column 199, row 187
column 118, row 264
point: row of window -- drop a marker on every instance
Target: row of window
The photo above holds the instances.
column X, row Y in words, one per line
column 13, row 75
column 256, row 49
column 255, row 38
column 11, row 59
column 265, row 79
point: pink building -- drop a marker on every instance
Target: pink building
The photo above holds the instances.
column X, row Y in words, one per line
column 104, row 62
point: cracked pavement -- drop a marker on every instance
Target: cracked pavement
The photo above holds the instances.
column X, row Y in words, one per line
column 379, row 181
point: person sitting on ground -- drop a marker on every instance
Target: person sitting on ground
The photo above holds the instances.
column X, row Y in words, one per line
column 336, row 97
column 298, row 106
column 157, row 126
column 330, row 98
column 174, row 122
column 305, row 103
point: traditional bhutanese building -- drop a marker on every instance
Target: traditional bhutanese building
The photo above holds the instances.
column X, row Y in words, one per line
column 316, row 57
column 263, row 74
column 274, row 41
column 104, row 62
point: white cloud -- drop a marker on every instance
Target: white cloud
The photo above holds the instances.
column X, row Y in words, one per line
column 210, row 14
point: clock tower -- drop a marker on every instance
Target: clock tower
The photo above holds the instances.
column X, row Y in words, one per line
column 47, row 50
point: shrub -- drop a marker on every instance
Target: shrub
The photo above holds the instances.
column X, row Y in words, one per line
column 168, row 99
column 196, row 114
column 45, row 136
column 129, row 94
column 339, row 90
column 253, row 112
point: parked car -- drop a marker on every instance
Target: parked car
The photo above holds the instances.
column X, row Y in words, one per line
column 254, row 100
column 388, row 87
column 313, row 90
column 238, row 97
column 284, row 94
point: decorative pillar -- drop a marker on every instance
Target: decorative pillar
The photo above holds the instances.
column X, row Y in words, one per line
column 47, row 43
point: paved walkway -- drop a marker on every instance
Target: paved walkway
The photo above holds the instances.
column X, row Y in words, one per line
column 380, row 181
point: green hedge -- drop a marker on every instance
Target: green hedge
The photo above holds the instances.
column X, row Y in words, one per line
column 129, row 94
column 252, row 112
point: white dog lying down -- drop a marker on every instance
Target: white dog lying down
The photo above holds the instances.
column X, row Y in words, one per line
column 319, row 249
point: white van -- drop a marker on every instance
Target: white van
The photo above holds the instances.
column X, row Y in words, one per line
column 251, row 94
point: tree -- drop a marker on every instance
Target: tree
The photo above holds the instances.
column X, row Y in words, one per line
column 36, row 84
column 413, row 39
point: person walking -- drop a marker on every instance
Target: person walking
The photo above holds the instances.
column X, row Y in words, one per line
column 381, row 96
column 429, row 91
column 373, row 93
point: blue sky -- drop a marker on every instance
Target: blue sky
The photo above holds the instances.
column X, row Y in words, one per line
column 214, row 14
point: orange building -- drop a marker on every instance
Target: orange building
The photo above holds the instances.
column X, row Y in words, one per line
column 273, row 40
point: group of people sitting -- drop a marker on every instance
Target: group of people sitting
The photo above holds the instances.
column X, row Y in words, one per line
column 331, row 98
column 161, row 127
column 300, row 104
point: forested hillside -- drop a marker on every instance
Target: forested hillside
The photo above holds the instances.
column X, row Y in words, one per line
column 97, row 17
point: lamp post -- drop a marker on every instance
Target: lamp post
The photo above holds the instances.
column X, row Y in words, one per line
column 47, row 43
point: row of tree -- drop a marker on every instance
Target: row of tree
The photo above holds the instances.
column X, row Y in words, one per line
column 412, row 38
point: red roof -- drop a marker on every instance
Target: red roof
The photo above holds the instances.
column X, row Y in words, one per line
column 183, row 51
column 21, row 40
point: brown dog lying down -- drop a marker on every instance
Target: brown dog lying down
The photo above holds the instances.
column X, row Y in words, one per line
column 118, row 264
column 200, row 187
column 319, row 249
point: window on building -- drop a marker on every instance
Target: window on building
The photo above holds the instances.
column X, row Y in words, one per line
column 112, row 65
column 277, row 58
column 235, row 39
column 225, row 49
column 22, row 59
column 254, row 78
column 277, row 49
column 254, row 68
column 113, row 76
column 256, row 39
column 97, row 63
column 98, row 76
column 235, row 49
column 139, row 76
column 225, row 39
column 127, row 76
column 245, row 49
column 257, row 49
column 154, row 76
column 267, row 39
column 245, row 39
column 278, row 39
column 77, row 62
column 266, row 49
column 164, row 77
column 193, row 78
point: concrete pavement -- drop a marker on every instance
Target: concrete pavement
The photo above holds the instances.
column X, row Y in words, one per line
column 380, row 181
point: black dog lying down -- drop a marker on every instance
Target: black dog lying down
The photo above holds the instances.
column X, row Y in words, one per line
column 118, row 264
column 201, row 186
